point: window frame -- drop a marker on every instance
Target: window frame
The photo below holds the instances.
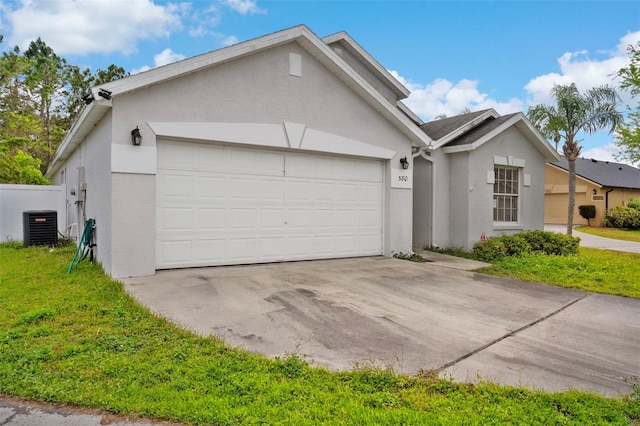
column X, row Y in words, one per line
column 512, row 191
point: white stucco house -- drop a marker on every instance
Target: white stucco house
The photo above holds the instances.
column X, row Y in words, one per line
column 287, row 147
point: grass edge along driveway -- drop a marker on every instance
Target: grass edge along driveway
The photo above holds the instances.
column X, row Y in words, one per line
column 80, row 339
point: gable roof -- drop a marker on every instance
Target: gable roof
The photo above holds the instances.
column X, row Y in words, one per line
column 466, row 132
column 604, row 173
column 301, row 34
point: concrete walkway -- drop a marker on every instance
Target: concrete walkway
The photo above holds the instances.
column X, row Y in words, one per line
column 592, row 241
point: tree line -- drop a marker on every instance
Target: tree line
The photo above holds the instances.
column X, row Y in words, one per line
column 40, row 98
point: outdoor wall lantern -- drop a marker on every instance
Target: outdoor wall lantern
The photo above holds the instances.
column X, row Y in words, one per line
column 136, row 137
column 404, row 163
column 595, row 191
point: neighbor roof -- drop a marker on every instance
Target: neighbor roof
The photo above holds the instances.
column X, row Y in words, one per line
column 604, row 173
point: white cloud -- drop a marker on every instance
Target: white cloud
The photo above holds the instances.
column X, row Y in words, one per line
column 584, row 71
column 97, row 26
column 604, row 153
column 229, row 40
column 165, row 57
column 441, row 96
column 244, row 7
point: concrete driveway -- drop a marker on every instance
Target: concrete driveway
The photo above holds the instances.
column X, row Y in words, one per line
column 411, row 317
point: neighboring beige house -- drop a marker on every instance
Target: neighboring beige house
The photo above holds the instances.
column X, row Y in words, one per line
column 602, row 184
column 287, row 147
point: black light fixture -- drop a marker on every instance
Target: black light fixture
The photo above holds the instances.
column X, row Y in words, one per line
column 404, row 162
column 88, row 98
column 105, row 94
column 595, row 191
column 136, row 137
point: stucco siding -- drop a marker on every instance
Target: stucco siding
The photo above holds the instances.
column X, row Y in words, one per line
column 442, row 195
column 459, row 200
column 422, row 203
column 93, row 154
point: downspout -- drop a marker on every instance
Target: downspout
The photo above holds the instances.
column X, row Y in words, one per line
column 606, row 199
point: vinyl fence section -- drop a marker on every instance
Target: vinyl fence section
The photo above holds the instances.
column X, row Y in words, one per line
column 15, row 199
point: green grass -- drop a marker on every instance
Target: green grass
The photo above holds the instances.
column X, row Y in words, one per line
column 600, row 271
column 80, row 339
column 615, row 233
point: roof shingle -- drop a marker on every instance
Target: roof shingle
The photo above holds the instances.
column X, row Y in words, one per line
column 604, row 173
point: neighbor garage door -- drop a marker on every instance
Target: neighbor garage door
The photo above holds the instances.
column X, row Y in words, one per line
column 224, row 205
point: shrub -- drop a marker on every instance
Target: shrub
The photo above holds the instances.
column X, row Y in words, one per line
column 550, row 243
column 634, row 203
column 587, row 212
column 515, row 245
column 490, row 250
column 622, row 217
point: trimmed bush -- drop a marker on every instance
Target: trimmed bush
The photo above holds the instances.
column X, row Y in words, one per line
column 634, row 203
column 587, row 212
column 490, row 250
column 550, row 243
column 622, row 217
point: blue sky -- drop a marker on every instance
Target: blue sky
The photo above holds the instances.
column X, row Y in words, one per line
column 452, row 55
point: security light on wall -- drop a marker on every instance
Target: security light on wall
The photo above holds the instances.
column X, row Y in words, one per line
column 136, row 137
column 595, row 191
column 404, row 163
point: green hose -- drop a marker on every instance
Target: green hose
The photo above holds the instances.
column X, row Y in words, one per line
column 85, row 245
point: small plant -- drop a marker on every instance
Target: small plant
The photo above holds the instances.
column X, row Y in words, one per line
column 496, row 248
column 587, row 212
column 410, row 256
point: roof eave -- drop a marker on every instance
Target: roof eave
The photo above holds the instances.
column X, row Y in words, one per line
column 88, row 119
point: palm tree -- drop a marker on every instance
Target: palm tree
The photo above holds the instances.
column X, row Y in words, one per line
column 574, row 112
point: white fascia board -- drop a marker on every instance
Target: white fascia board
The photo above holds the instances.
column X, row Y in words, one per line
column 197, row 63
column 368, row 61
column 412, row 115
column 89, row 117
column 465, row 127
column 543, row 145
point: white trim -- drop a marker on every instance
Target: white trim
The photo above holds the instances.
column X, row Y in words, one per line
column 133, row 159
column 270, row 135
column 295, row 64
column 368, row 61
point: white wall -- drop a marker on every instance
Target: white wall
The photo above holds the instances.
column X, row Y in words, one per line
column 15, row 199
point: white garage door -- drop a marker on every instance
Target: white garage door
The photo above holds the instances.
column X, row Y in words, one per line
column 224, row 205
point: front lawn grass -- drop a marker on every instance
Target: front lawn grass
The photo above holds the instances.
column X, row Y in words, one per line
column 80, row 339
column 615, row 233
column 601, row 271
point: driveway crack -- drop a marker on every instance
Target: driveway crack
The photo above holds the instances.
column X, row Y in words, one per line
column 511, row 333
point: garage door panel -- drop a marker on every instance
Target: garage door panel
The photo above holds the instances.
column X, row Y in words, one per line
column 289, row 206
column 210, row 187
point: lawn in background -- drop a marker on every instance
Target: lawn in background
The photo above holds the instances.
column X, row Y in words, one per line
column 80, row 339
column 615, row 233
